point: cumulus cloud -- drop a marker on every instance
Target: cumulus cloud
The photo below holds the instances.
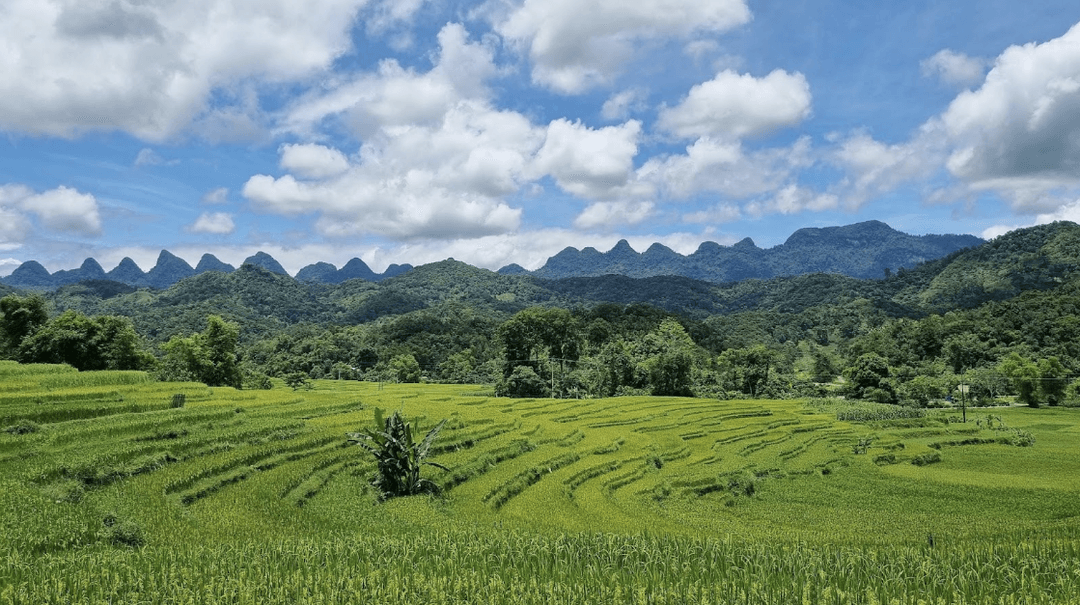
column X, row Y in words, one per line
column 873, row 168
column 717, row 213
column 610, row 214
column 1019, row 133
column 313, row 161
column 954, row 68
column 437, row 158
column 590, row 163
column 622, row 104
column 724, row 167
column 699, row 49
column 7, row 265
column 63, row 210
column 575, row 46
column 150, row 68
column 793, row 199
column 219, row 223
column 735, row 106
column 1069, row 211
column 395, row 96
column 387, row 14
column 13, row 226
column 216, row 196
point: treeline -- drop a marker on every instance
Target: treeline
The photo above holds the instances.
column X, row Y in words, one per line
column 1027, row 347
column 1002, row 320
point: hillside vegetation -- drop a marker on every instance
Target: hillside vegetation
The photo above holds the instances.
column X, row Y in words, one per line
column 997, row 321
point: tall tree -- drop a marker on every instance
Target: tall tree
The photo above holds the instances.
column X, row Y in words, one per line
column 747, row 370
column 208, row 357
column 1024, row 376
column 669, row 366
column 85, row 343
column 20, row 317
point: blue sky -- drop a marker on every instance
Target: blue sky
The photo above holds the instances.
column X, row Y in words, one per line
column 501, row 131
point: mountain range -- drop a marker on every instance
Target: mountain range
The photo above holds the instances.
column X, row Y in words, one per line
column 170, row 269
column 1021, row 264
column 866, row 250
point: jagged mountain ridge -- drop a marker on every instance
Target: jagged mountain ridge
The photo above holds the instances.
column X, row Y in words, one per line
column 862, row 250
column 1020, row 263
column 170, row 269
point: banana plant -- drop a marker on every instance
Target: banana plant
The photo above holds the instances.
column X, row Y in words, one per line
column 398, row 456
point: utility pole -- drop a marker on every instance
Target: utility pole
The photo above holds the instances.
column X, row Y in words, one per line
column 963, row 399
column 552, row 366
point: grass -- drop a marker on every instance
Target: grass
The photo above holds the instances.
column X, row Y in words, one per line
column 252, row 497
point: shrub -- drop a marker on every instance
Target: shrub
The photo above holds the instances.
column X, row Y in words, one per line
column 178, row 400
column 399, row 458
column 297, row 381
column 122, row 532
column 925, row 459
column 24, row 427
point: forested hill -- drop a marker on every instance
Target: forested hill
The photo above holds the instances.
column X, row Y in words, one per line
column 863, row 250
column 1038, row 258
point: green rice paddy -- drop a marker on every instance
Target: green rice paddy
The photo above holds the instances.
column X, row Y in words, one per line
column 111, row 493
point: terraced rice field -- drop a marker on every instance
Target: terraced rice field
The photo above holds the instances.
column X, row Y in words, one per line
column 111, row 492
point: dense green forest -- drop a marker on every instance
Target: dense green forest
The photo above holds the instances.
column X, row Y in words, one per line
column 999, row 320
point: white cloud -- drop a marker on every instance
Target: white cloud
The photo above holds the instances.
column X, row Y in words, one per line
column 699, row 49
column 1019, row 133
column 1069, row 211
column 621, row 104
column 220, row 223
column 576, row 45
column 387, row 14
column 14, row 226
column 444, row 180
column 590, row 163
column 149, row 157
column 954, row 68
column 370, row 104
column 718, row 213
column 313, row 161
column 873, row 168
column 734, row 106
column 63, row 209
column 713, row 166
column 1017, row 136
column 793, row 199
column 7, row 265
column 610, row 214
column 216, row 196
column 150, row 68
column 437, row 158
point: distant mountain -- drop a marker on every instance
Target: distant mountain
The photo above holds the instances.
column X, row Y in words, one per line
column 264, row 260
column 168, row 270
column 863, row 250
column 1017, row 265
column 127, row 272
column 209, row 262
column 326, row 273
column 30, row 275
column 868, row 250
